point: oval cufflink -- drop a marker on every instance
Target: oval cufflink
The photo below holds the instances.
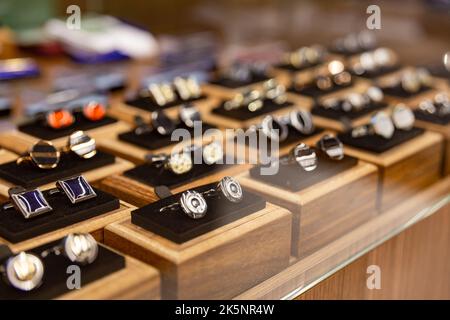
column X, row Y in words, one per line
column 43, row 154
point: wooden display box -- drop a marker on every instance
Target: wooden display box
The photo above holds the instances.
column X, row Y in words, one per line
column 217, row 265
column 444, row 130
column 326, row 210
column 140, row 194
column 127, row 113
column 20, row 142
column 94, row 225
column 118, row 166
column 407, row 168
column 7, row 156
column 136, row 281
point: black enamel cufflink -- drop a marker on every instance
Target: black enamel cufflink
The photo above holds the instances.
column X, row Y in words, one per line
column 30, row 203
column 331, row 146
column 43, row 154
column 77, row 189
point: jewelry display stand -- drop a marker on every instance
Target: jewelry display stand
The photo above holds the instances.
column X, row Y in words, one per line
column 15, row 228
column 99, row 280
column 249, row 240
column 322, row 201
column 408, row 162
column 243, row 114
column 311, row 90
column 137, row 186
column 27, row 175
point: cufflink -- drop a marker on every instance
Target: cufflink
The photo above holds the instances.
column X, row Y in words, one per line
column 81, row 144
column 59, row 119
column 191, row 202
column 227, row 187
column 403, row 117
column 274, row 129
column 162, row 123
column 30, row 203
column 77, row 189
column 274, row 91
column 302, row 121
column 23, row 271
column 189, row 114
column 331, row 146
column 380, row 124
column 304, row 156
column 212, row 152
column 42, row 154
column 94, row 111
column 178, row 163
column 80, row 248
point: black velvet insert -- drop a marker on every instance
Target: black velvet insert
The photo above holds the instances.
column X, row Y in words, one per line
column 153, row 140
column 153, row 176
column 15, row 228
column 233, row 84
column 439, row 71
column 339, row 114
column 55, row 276
column 38, row 129
column 378, row 72
column 147, row 103
column 294, row 178
column 377, row 144
column 244, row 114
column 176, row 226
column 398, row 91
column 27, row 175
column 6, row 112
column 311, row 90
column 290, row 67
column 348, row 53
column 433, row 118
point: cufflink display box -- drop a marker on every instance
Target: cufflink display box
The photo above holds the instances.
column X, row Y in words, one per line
column 439, row 125
column 137, row 186
column 88, row 216
column 7, row 156
column 408, row 162
column 29, row 176
column 127, row 112
column 247, row 243
column 19, row 142
column 128, row 145
column 227, row 89
column 110, row 276
column 326, row 203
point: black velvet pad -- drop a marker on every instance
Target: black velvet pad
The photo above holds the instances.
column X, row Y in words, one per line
column 176, row 226
column 153, row 140
column 55, row 275
column 15, row 228
column 379, row 72
column 294, row 178
column 312, row 91
column 5, row 112
column 339, row 114
column 377, row 144
column 398, row 91
column 232, row 84
column 39, row 129
column 348, row 53
column 290, row 67
column 153, row 176
column 243, row 113
column 439, row 71
column 27, row 175
column 146, row 103
column 433, row 118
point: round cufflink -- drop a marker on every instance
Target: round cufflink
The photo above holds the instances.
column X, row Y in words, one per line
column 212, row 153
column 178, row 163
column 94, row 111
column 227, row 187
column 253, row 100
column 375, row 94
column 24, row 271
column 382, row 125
column 191, row 202
column 80, row 248
column 331, row 146
column 402, row 117
column 189, row 114
column 81, row 144
column 302, row 121
column 304, row 156
column 43, row 154
column 274, row 129
column 59, row 119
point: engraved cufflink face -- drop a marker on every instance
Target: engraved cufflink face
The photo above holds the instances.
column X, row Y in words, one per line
column 80, row 248
column 24, row 271
column 331, row 146
column 305, row 157
column 77, row 189
column 403, row 117
column 30, row 203
column 180, row 163
column 382, row 125
column 82, row 145
column 231, row 189
column 212, row 152
column 193, row 204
